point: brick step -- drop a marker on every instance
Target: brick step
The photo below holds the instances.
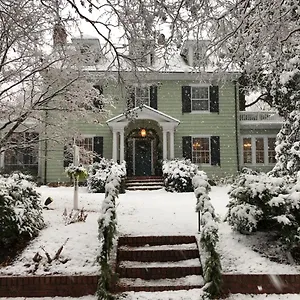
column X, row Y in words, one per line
column 157, row 255
column 144, row 188
column 136, row 241
column 194, row 262
column 143, row 178
column 143, row 183
column 149, row 273
column 137, row 284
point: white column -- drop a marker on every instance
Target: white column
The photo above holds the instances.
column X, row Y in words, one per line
column 172, row 144
column 122, row 146
column 115, row 146
column 165, row 154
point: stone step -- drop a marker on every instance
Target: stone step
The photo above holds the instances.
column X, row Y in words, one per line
column 137, row 241
column 137, row 284
column 150, row 273
column 157, row 255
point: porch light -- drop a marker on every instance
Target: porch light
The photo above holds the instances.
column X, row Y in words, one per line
column 143, row 132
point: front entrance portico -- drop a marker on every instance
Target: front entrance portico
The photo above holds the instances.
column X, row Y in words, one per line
column 167, row 125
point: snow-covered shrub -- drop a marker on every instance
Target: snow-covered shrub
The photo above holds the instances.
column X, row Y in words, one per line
column 107, row 229
column 249, row 208
column 178, row 174
column 208, row 235
column 99, row 172
column 20, row 209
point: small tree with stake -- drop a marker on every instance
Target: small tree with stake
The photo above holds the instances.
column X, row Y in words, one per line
column 76, row 172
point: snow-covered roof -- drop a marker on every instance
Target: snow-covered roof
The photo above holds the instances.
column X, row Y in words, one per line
column 144, row 112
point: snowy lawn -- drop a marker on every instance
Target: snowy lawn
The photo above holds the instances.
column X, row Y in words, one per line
column 139, row 213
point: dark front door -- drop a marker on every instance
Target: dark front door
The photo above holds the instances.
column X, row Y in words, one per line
column 143, row 157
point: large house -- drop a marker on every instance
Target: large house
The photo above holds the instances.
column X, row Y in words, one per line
column 171, row 112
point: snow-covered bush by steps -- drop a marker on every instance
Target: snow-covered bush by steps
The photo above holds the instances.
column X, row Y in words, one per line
column 99, row 172
column 178, row 174
column 249, row 208
column 208, row 235
column 107, row 229
column 20, row 209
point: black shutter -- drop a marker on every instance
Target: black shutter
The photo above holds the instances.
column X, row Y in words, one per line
column 187, row 147
column 214, row 98
column 153, row 96
column 215, row 151
column 242, row 98
column 130, row 97
column 98, row 148
column 68, row 156
column 186, row 99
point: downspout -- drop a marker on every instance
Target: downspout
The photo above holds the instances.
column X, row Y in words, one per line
column 236, row 126
column 46, row 149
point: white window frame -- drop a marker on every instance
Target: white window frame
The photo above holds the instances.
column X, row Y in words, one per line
column 2, row 155
column 203, row 137
column 135, row 95
column 201, row 99
column 253, row 150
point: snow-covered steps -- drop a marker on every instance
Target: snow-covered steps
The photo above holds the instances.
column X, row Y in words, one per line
column 144, row 183
column 158, row 263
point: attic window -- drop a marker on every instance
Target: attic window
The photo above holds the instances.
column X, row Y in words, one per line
column 142, row 52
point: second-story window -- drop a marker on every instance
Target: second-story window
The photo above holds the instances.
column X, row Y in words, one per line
column 200, row 98
column 142, row 95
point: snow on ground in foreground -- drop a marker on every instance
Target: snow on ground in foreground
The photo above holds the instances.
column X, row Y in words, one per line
column 176, row 295
column 82, row 246
column 139, row 213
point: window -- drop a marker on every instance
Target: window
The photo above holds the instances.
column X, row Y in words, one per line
column 201, row 151
column 142, row 96
column 260, row 153
column 271, row 150
column 247, row 150
column 90, row 150
column 200, row 98
column 259, row 150
column 22, row 153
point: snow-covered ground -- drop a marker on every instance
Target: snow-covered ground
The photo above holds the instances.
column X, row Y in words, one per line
column 139, row 213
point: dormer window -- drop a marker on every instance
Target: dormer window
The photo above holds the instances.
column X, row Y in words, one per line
column 194, row 52
column 142, row 52
column 89, row 49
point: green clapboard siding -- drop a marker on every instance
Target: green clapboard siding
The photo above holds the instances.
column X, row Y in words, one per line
column 220, row 124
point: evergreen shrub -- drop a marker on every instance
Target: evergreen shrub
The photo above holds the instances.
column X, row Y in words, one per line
column 20, row 209
column 99, row 172
column 178, row 175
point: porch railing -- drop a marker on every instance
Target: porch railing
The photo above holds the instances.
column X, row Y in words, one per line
column 260, row 117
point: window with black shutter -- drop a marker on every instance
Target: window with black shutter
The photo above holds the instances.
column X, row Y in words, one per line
column 153, row 96
column 187, row 147
column 98, row 100
column 186, row 99
column 98, row 148
column 214, row 98
column 215, row 151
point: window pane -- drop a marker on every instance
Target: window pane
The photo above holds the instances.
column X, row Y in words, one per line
column 247, row 150
column 201, row 151
column 271, row 150
column 200, row 92
column 85, row 150
column 199, row 105
column 142, row 96
column 259, row 143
